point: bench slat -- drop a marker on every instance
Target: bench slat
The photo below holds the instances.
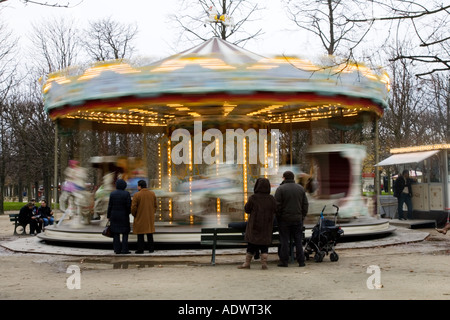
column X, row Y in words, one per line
column 237, row 237
column 228, row 230
column 222, row 230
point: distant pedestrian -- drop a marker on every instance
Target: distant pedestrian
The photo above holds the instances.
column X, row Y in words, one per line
column 261, row 207
column 292, row 207
column 143, row 209
column 118, row 214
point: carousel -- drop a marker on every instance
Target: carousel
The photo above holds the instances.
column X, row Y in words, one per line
column 217, row 111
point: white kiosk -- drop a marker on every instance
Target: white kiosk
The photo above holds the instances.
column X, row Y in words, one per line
column 429, row 166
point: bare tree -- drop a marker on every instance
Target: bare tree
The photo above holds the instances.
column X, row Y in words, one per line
column 65, row 4
column 33, row 135
column 107, row 39
column 428, row 21
column 399, row 125
column 326, row 20
column 8, row 70
column 55, row 45
column 8, row 64
column 192, row 16
column 439, row 88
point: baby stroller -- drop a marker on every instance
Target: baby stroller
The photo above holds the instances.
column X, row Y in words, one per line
column 324, row 237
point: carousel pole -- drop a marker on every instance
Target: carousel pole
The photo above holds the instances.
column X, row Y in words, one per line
column 55, row 172
column 290, row 142
column 310, row 143
column 144, row 153
column 377, row 169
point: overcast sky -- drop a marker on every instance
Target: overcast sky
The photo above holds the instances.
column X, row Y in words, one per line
column 157, row 35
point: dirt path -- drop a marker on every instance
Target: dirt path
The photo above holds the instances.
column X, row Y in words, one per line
column 407, row 271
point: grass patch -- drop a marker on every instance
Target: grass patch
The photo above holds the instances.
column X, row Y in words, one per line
column 12, row 206
column 15, row 206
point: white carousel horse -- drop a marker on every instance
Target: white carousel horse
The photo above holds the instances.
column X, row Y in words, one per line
column 75, row 200
column 102, row 196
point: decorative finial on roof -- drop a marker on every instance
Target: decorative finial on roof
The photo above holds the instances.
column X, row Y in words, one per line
column 215, row 17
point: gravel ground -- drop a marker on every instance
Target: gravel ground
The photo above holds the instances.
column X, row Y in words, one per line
column 418, row 270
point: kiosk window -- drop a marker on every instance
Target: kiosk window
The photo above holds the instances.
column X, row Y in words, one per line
column 435, row 170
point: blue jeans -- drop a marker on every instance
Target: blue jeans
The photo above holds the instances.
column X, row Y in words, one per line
column 404, row 198
column 48, row 221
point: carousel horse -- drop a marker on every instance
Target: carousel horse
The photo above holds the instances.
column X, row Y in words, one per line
column 102, row 196
column 75, row 200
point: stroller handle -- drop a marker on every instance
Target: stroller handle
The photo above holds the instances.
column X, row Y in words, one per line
column 337, row 210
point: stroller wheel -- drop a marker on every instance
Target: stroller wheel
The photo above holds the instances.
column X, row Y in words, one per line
column 306, row 255
column 318, row 257
column 334, row 256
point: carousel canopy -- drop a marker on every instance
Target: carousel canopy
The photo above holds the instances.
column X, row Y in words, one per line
column 215, row 81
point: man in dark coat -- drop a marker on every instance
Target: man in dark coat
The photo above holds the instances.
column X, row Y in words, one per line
column 403, row 193
column 26, row 217
column 46, row 213
column 261, row 206
column 119, row 209
column 292, row 207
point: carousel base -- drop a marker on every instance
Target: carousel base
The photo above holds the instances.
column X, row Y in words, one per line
column 190, row 235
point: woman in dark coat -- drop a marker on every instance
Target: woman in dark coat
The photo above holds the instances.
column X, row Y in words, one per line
column 119, row 209
column 262, row 207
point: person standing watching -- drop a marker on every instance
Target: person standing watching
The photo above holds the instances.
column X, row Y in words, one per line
column 143, row 209
column 292, row 207
column 261, row 207
column 118, row 214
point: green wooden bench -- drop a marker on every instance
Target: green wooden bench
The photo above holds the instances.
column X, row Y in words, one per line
column 232, row 237
column 14, row 217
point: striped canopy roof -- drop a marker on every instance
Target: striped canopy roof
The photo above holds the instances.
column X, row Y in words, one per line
column 220, row 49
column 216, row 81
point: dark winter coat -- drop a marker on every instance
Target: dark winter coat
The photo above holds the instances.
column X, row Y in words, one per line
column 25, row 214
column 292, row 203
column 44, row 212
column 400, row 184
column 261, row 206
column 119, row 208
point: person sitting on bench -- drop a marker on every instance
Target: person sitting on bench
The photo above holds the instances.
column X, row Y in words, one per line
column 26, row 217
column 46, row 213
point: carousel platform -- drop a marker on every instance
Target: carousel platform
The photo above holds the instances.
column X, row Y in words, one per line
column 414, row 223
column 190, row 235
